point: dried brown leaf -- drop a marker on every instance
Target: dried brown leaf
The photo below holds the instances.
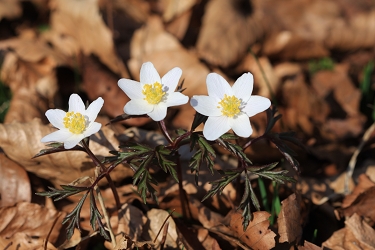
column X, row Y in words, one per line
column 22, row 241
column 308, row 246
column 228, row 29
column 15, row 184
column 78, row 26
column 364, row 183
column 21, row 141
column 10, row 9
column 31, row 220
column 363, row 205
column 357, row 234
column 289, row 220
column 257, row 234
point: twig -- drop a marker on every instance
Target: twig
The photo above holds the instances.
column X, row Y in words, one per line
column 50, row 231
column 353, row 160
column 157, row 235
column 105, row 213
column 162, row 242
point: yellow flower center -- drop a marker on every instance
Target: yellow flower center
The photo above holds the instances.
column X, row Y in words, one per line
column 230, row 105
column 75, row 122
column 153, row 92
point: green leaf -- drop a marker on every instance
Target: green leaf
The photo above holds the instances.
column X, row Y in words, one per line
column 162, row 153
column 66, row 191
column 73, row 217
column 219, row 185
column 96, row 217
column 204, row 154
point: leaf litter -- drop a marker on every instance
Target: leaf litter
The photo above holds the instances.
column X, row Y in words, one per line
column 285, row 45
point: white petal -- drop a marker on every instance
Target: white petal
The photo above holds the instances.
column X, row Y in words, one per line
column 57, row 136
column 131, row 88
column 159, row 112
column 92, row 129
column 73, row 140
column 256, row 104
column 149, row 75
column 205, row 105
column 94, row 109
column 76, row 104
column 243, row 87
column 171, row 79
column 175, row 99
column 217, row 86
column 56, row 117
column 215, row 127
column 138, row 107
column 241, row 125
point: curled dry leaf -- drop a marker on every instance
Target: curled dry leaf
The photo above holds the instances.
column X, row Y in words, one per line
column 289, row 220
column 364, row 183
column 301, row 107
column 157, row 218
column 153, row 43
column 32, row 221
column 363, row 205
column 29, row 71
column 309, row 246
column 224, row 41
column 15, row 184
column 78, row 26
column 357, row 234
column 336, row 87
column 21, row 141
column 22, row 241
column 257, row 234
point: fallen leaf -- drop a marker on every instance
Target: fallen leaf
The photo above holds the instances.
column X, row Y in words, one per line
column 10, row 9
column 15, row 184
column 31, row 221
column 257, row 234
column 78, row 26
column 131, row 221
column 156, row 219
column 364, row 183
column 308, row 246
column 357, row 234
column 362, row 205
column 289, row 220
column 21, row 142
column 22, row 241
column 224, row 41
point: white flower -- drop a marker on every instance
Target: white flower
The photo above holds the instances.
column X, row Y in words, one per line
column 152, row 95
column 229, row 107
column 75, row 124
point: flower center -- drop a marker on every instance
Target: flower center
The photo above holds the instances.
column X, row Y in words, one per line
column 230, row 105
column 75, row 122
column 153, row 92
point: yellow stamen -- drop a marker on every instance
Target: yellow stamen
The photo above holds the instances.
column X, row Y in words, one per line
column 153, row 92
column 75, row 122
column 230, row 106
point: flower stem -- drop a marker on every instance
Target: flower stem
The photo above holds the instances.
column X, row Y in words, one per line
column 165, row 132
column 104, row 170
column 249, row 143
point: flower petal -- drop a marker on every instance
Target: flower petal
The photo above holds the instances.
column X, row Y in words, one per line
column 171, row 79
column 132, row 89
column 256, row 104
column 94, row 108
column 76, row 104
column 206, row 105
column 241, row 125
column 57, row 136
column 175, row 99
column 138, row 107
column 243, row 87
column 159, row 112
column 215, row 127
column 56, row 117
column 217, row 86
column 148, row 74
column 73, row 140
column 92, row 129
